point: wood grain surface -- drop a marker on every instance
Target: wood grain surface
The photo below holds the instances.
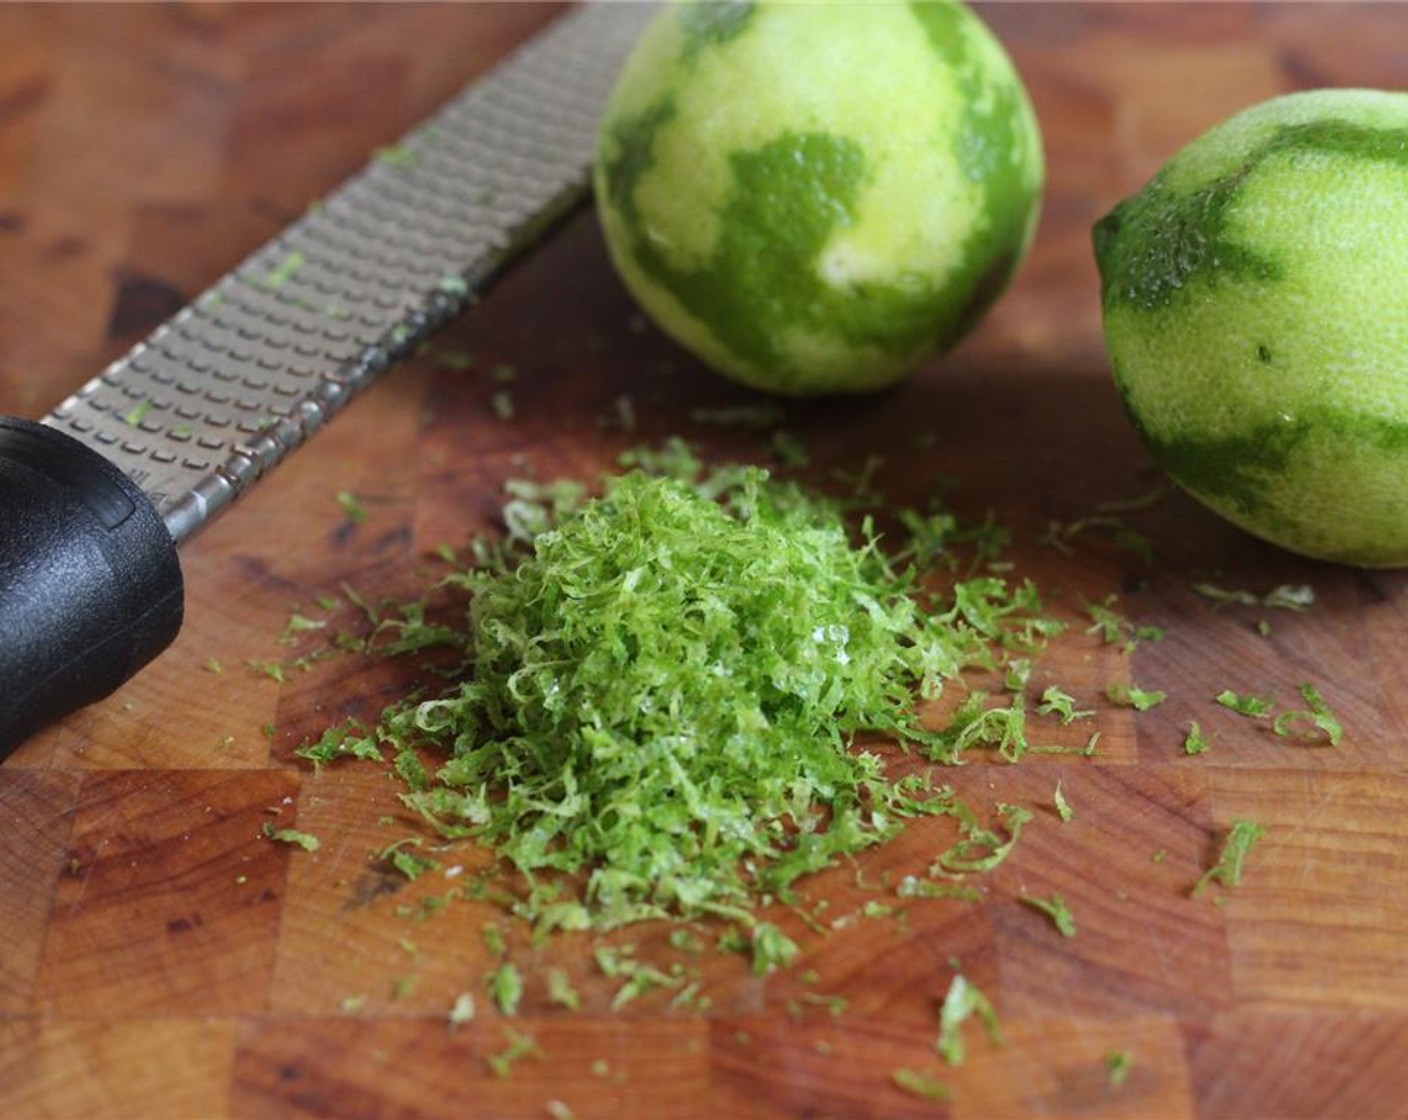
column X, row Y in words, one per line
column 160, row 958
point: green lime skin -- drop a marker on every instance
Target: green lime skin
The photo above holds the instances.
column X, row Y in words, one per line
column 816, row 198
column 1255, row 306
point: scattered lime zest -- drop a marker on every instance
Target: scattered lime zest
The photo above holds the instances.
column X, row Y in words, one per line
column 1254, row 707
column 138, row 413
column 920, row 1084
column 396, row 155
column 772, row 949
column 305, row 840
column 561, row 991
column 1227, row 871
column 299, row 623
column 980, row 850
column 962, row 1001
column 352, row 1005
column 912, row 887
column 1132, row 696
column 284, row 271
column 506, row 986
column 559, row 1110
column 1316, row 723
column 1286, row 596
column 462, row 1010
column 352, row 509
column 520, row 1046
column 1054, row 908
column 1056, row 702
column 1016, row 675
column 1118, row 1063
column 1114, row 628
column 1063, row 807
column 1195, row 741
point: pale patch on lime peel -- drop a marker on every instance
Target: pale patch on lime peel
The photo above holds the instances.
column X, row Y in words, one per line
column 815, row 198
column 1257, row 321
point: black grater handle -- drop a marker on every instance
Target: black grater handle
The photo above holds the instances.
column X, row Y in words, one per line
column 90, row 585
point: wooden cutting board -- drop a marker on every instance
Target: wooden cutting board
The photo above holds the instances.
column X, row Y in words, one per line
column 162, row 959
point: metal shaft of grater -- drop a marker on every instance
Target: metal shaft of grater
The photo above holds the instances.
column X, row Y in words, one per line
column 225, row 389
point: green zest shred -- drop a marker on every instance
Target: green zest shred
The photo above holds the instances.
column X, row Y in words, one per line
column 1254, row 707
column 1054, row 908
column 1235, row 846
column 1196, row 741
column 920, row 1084
column 1131, row 696
column 506, row 986
column 1315, row 723
column 963, row 1001
column 304, row 840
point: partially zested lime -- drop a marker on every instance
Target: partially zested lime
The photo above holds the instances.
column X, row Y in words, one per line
column 1255, row 299
column 816, row 197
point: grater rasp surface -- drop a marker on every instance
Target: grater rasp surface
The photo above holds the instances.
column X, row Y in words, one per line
column 224, row 390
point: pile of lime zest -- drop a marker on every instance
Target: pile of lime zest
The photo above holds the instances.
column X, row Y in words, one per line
column 659, row 687
column 1132, row 696
column 1054, row 908
column 1287, row 596
column 1114, row 628
column 305, row 840
column 1227, row 871
column 962, row 1001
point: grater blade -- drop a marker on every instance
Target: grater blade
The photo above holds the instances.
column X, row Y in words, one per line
column 219, row 394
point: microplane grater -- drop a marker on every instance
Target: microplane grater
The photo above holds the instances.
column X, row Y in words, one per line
column 90, row 588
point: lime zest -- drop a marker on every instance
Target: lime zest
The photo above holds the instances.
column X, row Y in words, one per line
column 920, row 1084
column 962, row 1001
column 1227, row 871
column 1132, row 696
column 1054, row 908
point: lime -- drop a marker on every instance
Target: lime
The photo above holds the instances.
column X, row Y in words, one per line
column 1255, row 300
column 815, row 198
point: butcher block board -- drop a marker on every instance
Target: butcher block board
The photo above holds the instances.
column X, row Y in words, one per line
column 161, row 958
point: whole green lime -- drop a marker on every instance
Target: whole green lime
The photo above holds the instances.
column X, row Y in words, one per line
column 1255, row 299
column 815, row 198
